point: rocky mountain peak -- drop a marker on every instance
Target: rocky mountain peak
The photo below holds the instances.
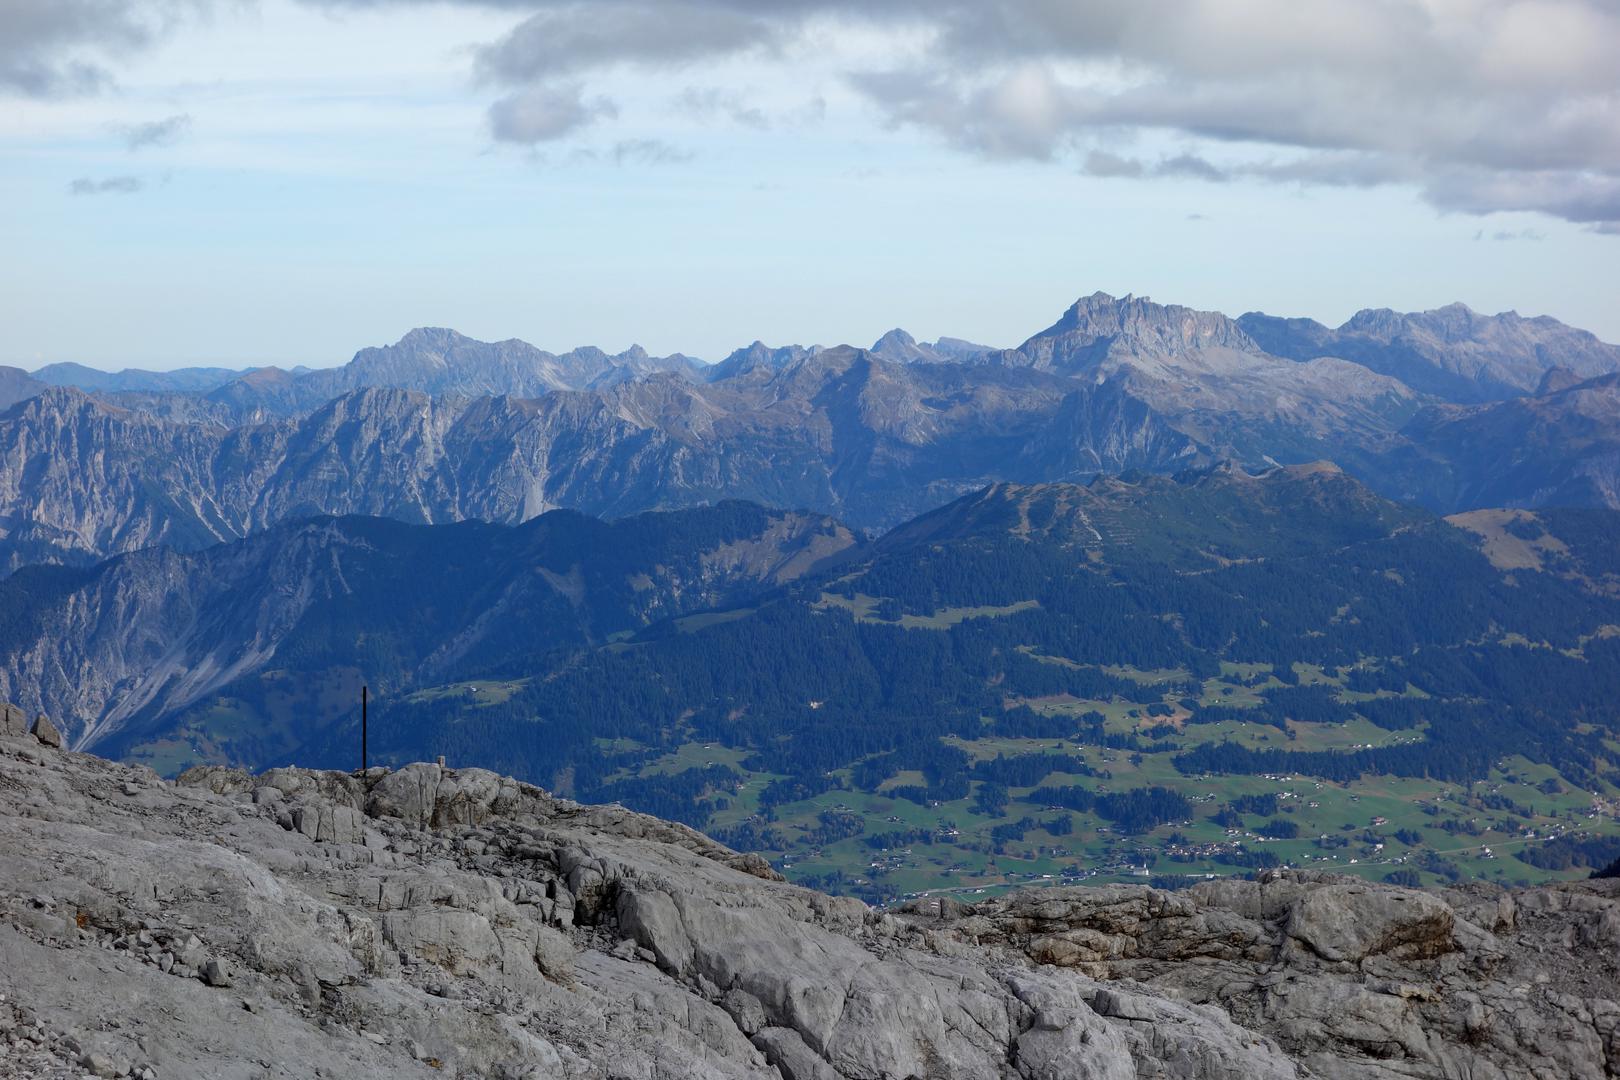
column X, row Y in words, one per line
column 1457, row 319
column 1454, row 322
column 901, row 347
column 1375, row 322
column 430, row 337
column 896, row 343
column 1098, row 326
column 64, row 401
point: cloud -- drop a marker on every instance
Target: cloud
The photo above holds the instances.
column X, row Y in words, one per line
column 1504, row 236
column 648, row 152
column 1480, row 105
column 163, row 132
column 57, row 48
column 571, row 37
column 1027, row 114
column 546, row 113
column 713, row 102
column 1101, row 163
column 1588, row 198
column 1191, row 166
column 112, row 185
column 1183, row 166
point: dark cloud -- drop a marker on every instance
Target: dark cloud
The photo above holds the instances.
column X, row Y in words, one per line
column 163, row 132
column 567, row 38
column 546, row 113
column 1588, row 198
column 52, row 48
column 112, row 185
column 1192, row 167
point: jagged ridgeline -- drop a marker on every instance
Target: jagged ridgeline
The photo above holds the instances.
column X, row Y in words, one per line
column 1176, row 676
column 1448, row 409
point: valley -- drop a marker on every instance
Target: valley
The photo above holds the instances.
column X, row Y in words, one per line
column 1142, row 678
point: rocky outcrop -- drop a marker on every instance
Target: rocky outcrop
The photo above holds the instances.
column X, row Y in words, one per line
column 444, row 922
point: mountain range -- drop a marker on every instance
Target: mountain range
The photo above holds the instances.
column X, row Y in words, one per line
column 750, row 671
column 442, row 428
column 310, row 604
column 945, row 695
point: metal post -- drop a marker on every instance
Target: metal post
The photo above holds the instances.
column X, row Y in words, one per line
column 363, row 696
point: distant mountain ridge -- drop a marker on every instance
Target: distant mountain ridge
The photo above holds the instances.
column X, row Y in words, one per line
column 432, row 360
column 1558, row 447
column 17, row 385
column 1452, row 352
column 179, row 380
column 440, row 427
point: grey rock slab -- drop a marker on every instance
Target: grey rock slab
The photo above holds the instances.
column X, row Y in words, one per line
column 13, row 721
column 46, row 732
column 485, row 928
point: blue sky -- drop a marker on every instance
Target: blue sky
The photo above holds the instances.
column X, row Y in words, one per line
column 286, row 182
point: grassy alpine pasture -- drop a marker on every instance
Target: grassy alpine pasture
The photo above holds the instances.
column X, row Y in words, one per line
column 1418, row 830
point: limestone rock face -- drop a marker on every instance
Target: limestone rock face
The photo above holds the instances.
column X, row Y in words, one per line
column 1353, row 922
column 430, row 922
column 46, row 732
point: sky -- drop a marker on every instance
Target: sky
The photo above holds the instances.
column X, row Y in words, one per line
column 242, row 182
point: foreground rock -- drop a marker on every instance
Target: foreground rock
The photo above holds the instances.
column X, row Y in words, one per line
column 435, row 922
